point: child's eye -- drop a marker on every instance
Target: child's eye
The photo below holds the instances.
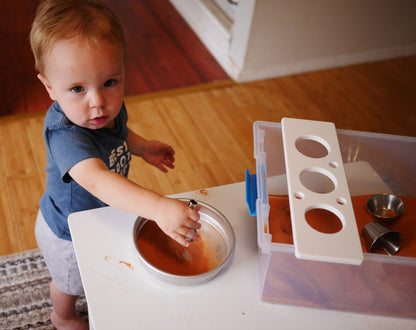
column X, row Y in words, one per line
column 110, row 83
column 77, row 89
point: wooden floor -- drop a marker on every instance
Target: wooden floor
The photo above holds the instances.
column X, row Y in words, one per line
column 163, row 53
column 211, row 131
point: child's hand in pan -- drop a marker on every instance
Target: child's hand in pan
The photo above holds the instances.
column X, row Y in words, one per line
column 177, row 220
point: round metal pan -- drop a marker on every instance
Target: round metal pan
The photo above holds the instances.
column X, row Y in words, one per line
column 218, row 239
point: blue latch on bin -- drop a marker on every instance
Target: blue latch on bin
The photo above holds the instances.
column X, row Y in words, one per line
column 251, row 192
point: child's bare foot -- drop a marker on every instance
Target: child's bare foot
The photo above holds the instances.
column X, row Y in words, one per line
column 71, row 324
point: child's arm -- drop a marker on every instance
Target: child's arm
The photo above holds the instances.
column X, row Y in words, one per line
column 174, row 217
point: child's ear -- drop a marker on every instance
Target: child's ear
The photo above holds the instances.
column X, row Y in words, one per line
column 47, row 85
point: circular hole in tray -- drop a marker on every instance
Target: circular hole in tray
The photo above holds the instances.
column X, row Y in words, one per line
column 323, row 220
column 312, row 146
column 317, row 180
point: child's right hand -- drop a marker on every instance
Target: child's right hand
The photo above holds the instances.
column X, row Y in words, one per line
column 176, row 219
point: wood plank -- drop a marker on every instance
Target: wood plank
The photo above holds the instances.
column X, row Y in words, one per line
column 15, row 148
column 184, row 177
column 256, row 101
column 148, row 120
column 329, row 91
column 212, row 175
column 26, row 191
column 141, row 117
column 185, row 126
column 149, row 177
column 232, row 116
column 34, row 131
column 217, row 135
column 9, row 234
column 295, row 101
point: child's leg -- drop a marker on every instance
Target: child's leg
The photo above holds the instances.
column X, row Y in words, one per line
column 64, row 315
column 60, row 258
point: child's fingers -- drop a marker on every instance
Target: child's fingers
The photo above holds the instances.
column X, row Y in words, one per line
column 181, row 225
column 192, row 224
column 168, row 163
column 193, row 215
column 188, row 235
column 180, row 239
column 171, row 152
column 192, row 236
column 161, row 167
column 163, row 164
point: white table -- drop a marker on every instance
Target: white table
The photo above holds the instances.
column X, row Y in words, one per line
column 122, row 295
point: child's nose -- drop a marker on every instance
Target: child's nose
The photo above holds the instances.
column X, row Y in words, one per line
column 97, row 100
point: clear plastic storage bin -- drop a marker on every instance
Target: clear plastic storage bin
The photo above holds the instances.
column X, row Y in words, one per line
column 382, row 284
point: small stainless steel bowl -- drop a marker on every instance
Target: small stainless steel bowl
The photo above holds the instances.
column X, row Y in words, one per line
column 216, row 230
column 385, row 207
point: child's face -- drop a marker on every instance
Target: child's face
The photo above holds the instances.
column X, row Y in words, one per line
column 87, row 82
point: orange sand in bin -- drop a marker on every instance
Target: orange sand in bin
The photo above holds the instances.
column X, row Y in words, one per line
column 280, row 226
column 169, row 256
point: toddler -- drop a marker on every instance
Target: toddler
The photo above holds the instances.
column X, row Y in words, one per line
column 80, row 53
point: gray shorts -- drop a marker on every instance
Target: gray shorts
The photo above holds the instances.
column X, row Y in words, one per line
column 60, row 258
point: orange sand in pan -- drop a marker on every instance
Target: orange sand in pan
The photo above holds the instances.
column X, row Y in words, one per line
column 169, row 256
column 281, row 229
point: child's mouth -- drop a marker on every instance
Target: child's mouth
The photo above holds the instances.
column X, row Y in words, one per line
column 98, row 120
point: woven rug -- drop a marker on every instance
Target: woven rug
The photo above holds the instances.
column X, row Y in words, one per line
column 24, row 292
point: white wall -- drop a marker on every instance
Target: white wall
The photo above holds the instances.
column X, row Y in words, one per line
column 272, row 38
column 294, row 36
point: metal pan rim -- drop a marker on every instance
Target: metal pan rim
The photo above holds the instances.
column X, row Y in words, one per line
column 190, row 280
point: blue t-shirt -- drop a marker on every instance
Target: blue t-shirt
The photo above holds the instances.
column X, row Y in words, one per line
column 66, row 145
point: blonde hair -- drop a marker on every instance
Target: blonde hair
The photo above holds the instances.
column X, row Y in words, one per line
column 91, row 21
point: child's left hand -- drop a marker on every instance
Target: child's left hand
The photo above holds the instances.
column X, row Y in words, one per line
column 159, row 155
